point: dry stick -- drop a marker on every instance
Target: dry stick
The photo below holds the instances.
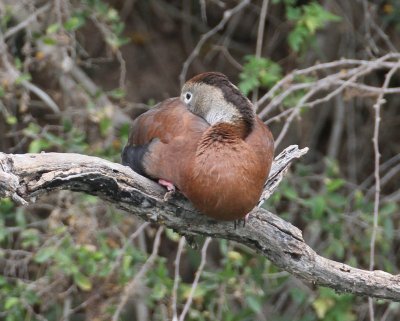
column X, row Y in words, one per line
column 203, row 10
column 333, row 64
column 15, row 74
column 122, row 64
column 382, row 167
column 130, row 287
column 196, row 279
column 375, row 140
column 276, row 101
column 370, row 90
column 367, row 25
column 323, row 83
column 106, row 32
column 294, row 113
column 227, row 15
column 176, row 278
column 275, row 176
column 228, row 56
column 25, row 23
column 129, row 240
column 29, row 176
column 363, row 70
column 337, row 130
column 384, row 180
column 260, row 38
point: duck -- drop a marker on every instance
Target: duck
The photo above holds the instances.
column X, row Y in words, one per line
column 208, row 143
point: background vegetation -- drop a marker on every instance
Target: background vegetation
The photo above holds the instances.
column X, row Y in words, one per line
column 74, row 73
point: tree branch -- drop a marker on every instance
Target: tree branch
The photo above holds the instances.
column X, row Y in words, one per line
column 24, row 177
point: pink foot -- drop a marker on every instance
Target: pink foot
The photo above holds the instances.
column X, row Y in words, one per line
column 170, row 188
column 168, row 185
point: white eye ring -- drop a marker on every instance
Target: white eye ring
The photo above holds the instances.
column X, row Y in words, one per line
column 188, row 97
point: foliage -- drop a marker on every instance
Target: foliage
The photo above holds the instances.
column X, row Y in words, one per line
column 258, row 73
column 307, row 19
column 75, row 248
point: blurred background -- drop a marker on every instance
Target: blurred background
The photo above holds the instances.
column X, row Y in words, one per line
column 74, row 73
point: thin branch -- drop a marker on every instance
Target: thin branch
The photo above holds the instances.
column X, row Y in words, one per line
column 31, row 175
column 203, row 9
column 227, row 15
column 14, row 74
column 196, row 279
column 340, row 64
column 42, row 95
column 129, row 240
column 375, row 141
column 261, row 27
column 278, row 171
column 176, row 278
column 27, row 21
column 130, row 287
column 355, row 74
column 259, row 44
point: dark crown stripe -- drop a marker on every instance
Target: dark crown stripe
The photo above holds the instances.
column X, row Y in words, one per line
column 231, row 94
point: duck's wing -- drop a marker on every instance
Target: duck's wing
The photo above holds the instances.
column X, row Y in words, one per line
column 163, row 141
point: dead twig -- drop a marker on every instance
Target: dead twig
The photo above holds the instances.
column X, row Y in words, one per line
column 227, row 15
column 130, row 287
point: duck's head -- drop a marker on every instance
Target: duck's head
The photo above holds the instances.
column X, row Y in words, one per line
column 213, row 97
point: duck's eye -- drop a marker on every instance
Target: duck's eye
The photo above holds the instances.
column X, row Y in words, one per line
column 188, row 97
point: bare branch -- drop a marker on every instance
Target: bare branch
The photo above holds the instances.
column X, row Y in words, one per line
column 227, row 15
column 196, row 279
column 37, row 174
column 130, row 287
column 26, row 22
column 375, row 141
column 176, row 278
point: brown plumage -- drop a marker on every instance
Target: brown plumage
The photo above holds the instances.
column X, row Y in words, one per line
column 208, row 143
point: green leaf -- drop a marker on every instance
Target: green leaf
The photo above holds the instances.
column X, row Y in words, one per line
column 117, row 93
column 3, row 231
column 83, row 282
column 74, row 23
column 293, row 13
column 159, row 291
column 254, row 303
column 172, row 235
column 30, row 237
column 112, row 15
column 53, row 28
column 334, row 184
column 318, row 206
column 11, row 120
column 38, row 145
column 23, row 77
column 116, row 42
column 20, row 218
column 290, row 193
column 105, row 126
column 297, row 38
column 322, row 306
column 18, row 63
column 45, row 254
column 49, row 41
column 11, row 302
column 258, row 72
column 308, row 19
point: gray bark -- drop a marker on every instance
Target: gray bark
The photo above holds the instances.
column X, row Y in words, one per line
column 27, row 176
